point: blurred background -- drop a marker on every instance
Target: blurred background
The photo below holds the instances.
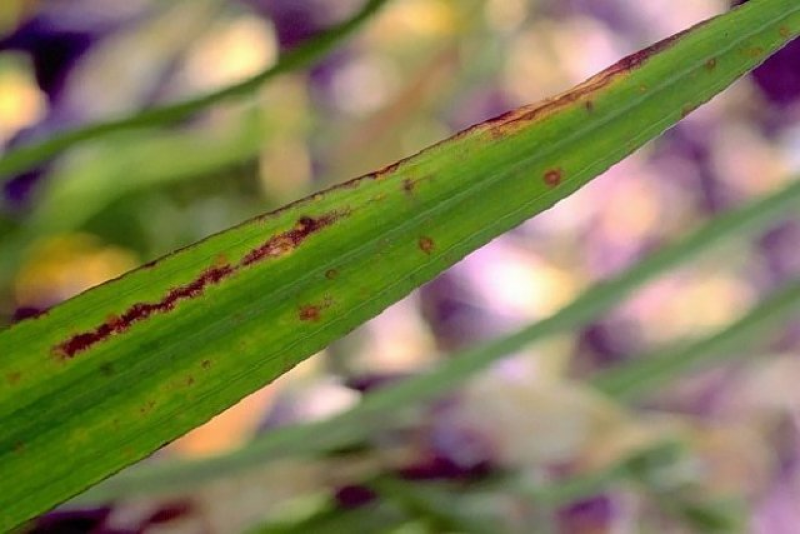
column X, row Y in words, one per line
column 417, row 72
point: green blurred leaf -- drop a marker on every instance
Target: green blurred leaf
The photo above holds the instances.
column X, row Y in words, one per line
column 106, row 378
column 24, row 157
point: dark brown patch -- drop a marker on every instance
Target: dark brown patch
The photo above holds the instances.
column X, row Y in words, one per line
column 309, row 312
column 206, row 364
column 408, row 186
column 711, row 64
column 785, row 32
column 426, row 244
column 189, row 380
column 13, row 378
column 553, row 177
column 331, row 274
column 589, row 105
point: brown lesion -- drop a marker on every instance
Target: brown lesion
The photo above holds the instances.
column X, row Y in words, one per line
column 552, row 178
column 313, row 312
column 220, row 270
column 711, row 64
column 426, row 245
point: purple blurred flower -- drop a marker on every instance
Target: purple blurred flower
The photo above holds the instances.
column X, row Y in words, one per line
column 72, row 521
column 296, row 20
column 780, row 248
column 595, row 514
column 59, row 34
column 349, row 497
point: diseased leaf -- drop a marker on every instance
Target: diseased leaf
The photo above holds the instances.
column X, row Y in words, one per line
column 106, row 378
column 349, row 428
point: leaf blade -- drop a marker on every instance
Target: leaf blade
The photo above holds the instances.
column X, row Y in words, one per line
column 167, row 346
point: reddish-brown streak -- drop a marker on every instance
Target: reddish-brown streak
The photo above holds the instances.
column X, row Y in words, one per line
column 141, row 311
column 508, row 122
column 552, row 178
column 117, row 324
column 287, row 241
column 426, row 244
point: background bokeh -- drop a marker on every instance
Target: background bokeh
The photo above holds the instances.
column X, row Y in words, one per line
column 418, row 72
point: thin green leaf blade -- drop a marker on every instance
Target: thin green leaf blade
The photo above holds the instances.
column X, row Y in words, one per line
column 108, row 377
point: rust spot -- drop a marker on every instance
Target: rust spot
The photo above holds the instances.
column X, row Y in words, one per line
column 408, row 186
column 206, row 364
column 754, row 52
column 331, row 274
column 309, row 313
column 13, row 378
column 426, row 244
column 285, row 242
column 589, row 105
column 711, row 64
column 785, row 32
column 552, row 178
column 189, row 380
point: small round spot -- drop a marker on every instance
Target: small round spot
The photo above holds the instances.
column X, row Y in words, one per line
column 426, row 244
column 309, row 313
column 553, row 177
column 331, row 274
column 206, row 364
column 711, row 64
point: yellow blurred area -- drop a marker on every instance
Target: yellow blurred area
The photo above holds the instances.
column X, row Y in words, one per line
column 410, row 20
column 233, row 50
column 21, row 102
column 60, row 267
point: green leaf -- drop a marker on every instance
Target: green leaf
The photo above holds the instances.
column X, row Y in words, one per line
column 381, row 407
column 108, row 377
column 646, row 374
column 26, row 156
